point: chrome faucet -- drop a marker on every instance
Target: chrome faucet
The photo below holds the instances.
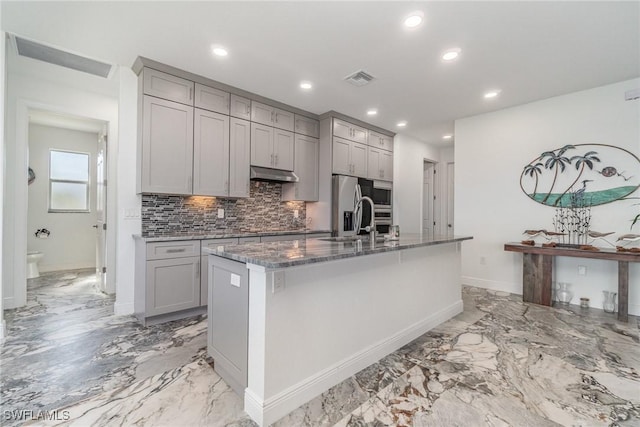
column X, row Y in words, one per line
column 371, row 228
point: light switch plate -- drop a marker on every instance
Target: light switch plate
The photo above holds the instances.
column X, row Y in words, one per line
column 295, row 213
column 220, row 213
column 235, row 280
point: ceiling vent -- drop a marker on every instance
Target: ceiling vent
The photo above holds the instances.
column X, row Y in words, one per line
column 54, row 56
column 359, row 78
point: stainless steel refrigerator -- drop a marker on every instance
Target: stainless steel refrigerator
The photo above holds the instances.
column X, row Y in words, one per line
column 345, row 219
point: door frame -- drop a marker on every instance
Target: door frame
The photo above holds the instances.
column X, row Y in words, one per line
column 20, row 203
column 434, row 191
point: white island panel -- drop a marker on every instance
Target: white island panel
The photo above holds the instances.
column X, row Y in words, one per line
column 332, row 319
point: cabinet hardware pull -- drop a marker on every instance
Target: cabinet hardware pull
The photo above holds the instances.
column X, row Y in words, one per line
column 272, row 160
column 276, row 159
column 276, row 117
column 190, row 94
column 198, row 271
column 174, row 251
column 248, row 109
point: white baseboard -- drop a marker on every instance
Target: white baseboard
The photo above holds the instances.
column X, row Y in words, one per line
column 122, row 309
column 265, row 412
column 47, row 268
column 494, row 285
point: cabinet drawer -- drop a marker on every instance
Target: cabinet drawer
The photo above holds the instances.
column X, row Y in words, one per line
column 212, row 99
column 214, row 243
column 307, row 126
column 166, row 86
column 174, row 249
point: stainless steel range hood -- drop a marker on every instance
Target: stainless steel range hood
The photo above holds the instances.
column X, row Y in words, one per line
column 266, row 174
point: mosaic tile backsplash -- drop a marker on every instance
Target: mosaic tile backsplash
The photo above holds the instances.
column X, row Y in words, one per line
column 262, row 211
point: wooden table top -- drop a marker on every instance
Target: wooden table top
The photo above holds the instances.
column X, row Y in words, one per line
column 602, row 253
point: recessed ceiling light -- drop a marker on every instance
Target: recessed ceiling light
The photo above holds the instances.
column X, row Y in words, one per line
column 449, row 136
column 402, row 124
column 372, row 112
column 305, row 85
column 413, row 19
column 491, row 94
column 219, row 51
column 451, row 54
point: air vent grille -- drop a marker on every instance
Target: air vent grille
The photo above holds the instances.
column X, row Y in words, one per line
column 59, row 57
column 359, row 78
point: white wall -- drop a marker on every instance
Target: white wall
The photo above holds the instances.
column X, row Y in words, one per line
column 72, row 242
column 409, row 155
column 490, row 152
column 67, row 93
column 2, row 169
column 126, row 188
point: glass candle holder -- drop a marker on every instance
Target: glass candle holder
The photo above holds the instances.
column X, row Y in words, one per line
column 609, row 303
column 563, row 293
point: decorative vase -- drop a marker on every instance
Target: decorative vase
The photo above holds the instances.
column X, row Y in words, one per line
column 609, row 304
column 563, row 293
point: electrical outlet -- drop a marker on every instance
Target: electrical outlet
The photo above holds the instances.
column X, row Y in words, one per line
column 295, row 213
column 220, row 213
column 278, row 281
column 582, row 270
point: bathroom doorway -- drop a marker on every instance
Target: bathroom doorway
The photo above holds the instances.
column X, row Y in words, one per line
column 66, row 215
column 428, row 199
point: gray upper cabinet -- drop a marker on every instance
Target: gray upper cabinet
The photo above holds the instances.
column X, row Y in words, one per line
column 239, row 157
column 166, row 86
column 271, row 116
column 349, row 158
column 349, row 131
column 271, row 147
column 210, row 154
column 306, row 126
column 380, row 141
column 211, row 99
column 240, row 107
column 380, row 164
column 305, row 165
column 167, row 147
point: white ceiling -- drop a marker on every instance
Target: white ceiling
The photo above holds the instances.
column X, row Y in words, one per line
column 529, row 50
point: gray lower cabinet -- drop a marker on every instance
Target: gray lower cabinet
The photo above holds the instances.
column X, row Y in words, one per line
column 228, row 321
column 204, row 265
column 172, row 285
column 167, row 281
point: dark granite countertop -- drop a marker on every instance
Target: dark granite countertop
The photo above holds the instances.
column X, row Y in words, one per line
column 293, row 253
column 224, row 234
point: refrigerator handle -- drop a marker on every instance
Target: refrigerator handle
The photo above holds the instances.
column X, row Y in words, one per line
column 358, row 210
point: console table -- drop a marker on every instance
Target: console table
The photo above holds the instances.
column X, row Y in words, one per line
column 537, row 262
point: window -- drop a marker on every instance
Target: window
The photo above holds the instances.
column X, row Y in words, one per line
column 68, row 181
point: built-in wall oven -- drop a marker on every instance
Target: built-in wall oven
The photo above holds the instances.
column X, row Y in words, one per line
column 380, row 193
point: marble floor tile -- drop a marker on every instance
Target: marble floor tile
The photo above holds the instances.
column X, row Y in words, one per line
column 499, row 363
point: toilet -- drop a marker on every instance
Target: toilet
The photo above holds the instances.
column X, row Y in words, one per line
column 33, row 258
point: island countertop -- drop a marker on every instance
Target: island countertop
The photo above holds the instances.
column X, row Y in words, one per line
column 290, row 253
column 224, row 234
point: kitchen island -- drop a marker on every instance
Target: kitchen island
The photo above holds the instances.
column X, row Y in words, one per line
column 290, row 319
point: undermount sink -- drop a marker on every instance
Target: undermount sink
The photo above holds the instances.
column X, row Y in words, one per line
column 351, row 239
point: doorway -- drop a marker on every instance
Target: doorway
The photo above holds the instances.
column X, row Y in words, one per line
column 449, row 198
column 66, row 204
column 428, row 199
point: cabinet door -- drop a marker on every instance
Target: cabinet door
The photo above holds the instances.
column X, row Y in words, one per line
column 374, row 139
column 359, row 134
column 342, row 129
column 374, row 165
column 261, row 113
column 283, row 149
column 240, row 107
column 211, row 99
column 210, row 154
column 283, row 119
column 261, row 145
column 167, row 147
column 239, row 157
column 306, row 167
column 204, row 266
column 172, row 285
column 359, row 159
column 307, row 126
column 386, row 161
column 386, row 143
column 341, row 156
column 166, row 86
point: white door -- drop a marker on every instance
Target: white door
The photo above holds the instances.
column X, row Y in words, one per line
column 450, row 190
column 101, row 212
column 428, row 220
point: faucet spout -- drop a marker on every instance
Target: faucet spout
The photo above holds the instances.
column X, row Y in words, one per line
column 371, row 228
